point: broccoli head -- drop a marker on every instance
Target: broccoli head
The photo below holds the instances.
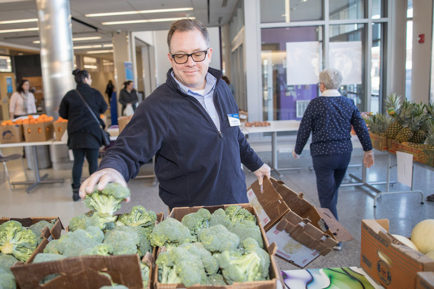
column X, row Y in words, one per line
column 247, row 229
column 144, row 245
column 250, row 245
column 218, row 238
column 72, row 244
column 197, row 221
column 38, row 228
column 7, row 279
column 219, row 217
column 209, row 262
column 237, row 214
column 106, row 202
column 170, row 232
column 47, row 257
column 139, row 217
column 100, row 249
column 123, row 240
column 17, row 240
column 88, row 219
column 144, row 269
column 7, row 261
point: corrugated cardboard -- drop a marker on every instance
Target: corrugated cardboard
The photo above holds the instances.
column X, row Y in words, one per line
column 180, row 212
column 301, row 231
column 59, row 129
column 34, row 132
column 390, row 263
column 425, row 280
column 123, row 121
column 11, row 133
column 81, row 272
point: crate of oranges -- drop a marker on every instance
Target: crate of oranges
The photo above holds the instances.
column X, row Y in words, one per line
column 38, row 128
column 60, row 126
column 11, row 131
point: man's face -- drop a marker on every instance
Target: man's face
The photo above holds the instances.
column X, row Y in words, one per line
column 191, row 74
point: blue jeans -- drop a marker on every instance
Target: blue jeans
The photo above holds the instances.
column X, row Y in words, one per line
column 92, row 160
column 330, row 171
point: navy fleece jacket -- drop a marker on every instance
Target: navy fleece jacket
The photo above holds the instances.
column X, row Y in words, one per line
column 195, row 163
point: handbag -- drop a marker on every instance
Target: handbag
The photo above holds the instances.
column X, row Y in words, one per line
column 105, row 134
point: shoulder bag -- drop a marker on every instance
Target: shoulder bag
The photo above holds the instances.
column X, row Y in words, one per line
column 105, row 135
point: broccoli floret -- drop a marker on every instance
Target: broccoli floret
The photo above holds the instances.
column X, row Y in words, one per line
column 247, row 229
column 123, row 240
column 177, row 265
column 209, row 262
column 144, row 245
column 218, row 238
column 139, row 216
column 170, row 232
column 7, row 261
column 100, row 249
column 250, row 265
column 7, row 279
column 216, row 280
column 86, row 220
column 219, row 217
column 95, row 233
column 72, row 243
column 237, row 214
column 106, row 202
column 39, row 227
column 197, row 221
column 144, row 269
column 47, row 257
column 17, row 240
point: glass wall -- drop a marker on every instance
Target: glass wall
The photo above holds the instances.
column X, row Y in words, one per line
column 409, row 51
column 349, row 9
column 377, row 49
column 275, row 11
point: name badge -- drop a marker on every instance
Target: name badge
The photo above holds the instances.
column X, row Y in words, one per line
column 234, row 119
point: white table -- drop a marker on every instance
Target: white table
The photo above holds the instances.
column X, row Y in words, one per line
column 38, row 178
column 275, row 127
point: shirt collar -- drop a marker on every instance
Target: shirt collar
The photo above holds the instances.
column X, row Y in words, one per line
column 331, row 92
column 209, row 85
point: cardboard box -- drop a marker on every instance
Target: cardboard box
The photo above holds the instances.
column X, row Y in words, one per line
column 123, row 121
column 389, row 262
column 425, row 280
column 301, row 231
column 180, row 212
column 81, row 272
column 35, row 132
column 11, row 133
column 59, row 129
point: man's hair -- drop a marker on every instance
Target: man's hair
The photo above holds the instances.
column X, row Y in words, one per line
column 187, row 25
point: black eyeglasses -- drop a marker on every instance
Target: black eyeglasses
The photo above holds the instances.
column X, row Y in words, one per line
column 197, row 56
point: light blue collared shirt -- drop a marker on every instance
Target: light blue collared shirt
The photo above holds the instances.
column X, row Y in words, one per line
column 205, row 98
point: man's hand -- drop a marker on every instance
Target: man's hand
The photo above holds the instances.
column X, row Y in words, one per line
column 264, row 170
column 368, row 159
column 295, row 155
column 101, row 179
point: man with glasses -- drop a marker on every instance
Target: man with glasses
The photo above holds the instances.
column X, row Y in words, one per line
column 190, row 124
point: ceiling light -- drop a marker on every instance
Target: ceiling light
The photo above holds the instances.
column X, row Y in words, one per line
column 19, row 21
column 139, row 12
column 99, row 51
column 90, row 66
column 19, row 30
column 76, row 39
column 145, row 20
column 104, row 45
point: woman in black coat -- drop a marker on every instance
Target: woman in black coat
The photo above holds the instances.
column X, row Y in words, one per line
column 84, row 133
column 128, row 95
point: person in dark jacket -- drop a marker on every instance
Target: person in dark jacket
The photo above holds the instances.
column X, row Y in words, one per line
column 190, row 124
column 329, row 118
column 109, row 90
column 128, row 95
column 84, row 133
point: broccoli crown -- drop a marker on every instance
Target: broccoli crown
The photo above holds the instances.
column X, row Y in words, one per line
column 46, row 257
column 218, row 238
column 123, row 240
column 247, row 229
column 216, row 280
column 144, row 245
column 237, row 214
column 197, row 221
column 17, row 240
column 95, row 233
column 86, row 220
column 7, row 261
column 139, row 216
column 7, row 279
column 219, row 217
column 170, row 232
column 38, row 227
column 72, row 243
column 100, row 249
column 209, row 262
column 250, row 245
column 106, row 202
column 145, row 274
column 116, row 190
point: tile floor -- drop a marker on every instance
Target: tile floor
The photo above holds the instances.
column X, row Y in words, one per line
column 355, row 203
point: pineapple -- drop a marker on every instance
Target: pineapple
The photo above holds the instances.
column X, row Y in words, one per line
column 410, row 122
column 393, row 104
column 430, row 135
column 400, row 116
column 378, row 123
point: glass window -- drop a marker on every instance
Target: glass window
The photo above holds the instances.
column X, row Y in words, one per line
column 5, row 64
column 346, row 54
column 378, row 9
column 291, row 60
column 409, row 50
column 273, row 11
column 346, row 9
column 376, row 67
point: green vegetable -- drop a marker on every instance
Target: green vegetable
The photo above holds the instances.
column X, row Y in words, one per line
column 219, row 217
column 138, row 216
column 106, row 202
column 170, row 232
column 17, row 240
column 237, row 214
column 197, row 221
column 86, row 220
column 145, row 274
column 218, row 239
column 47, row 257
column 7, row 279
column 73, row 243
column 7, row 261
column 123, row 240
column 38, row 227
column 247, row 229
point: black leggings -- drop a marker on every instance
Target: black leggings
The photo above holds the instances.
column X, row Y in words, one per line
column 92, row 159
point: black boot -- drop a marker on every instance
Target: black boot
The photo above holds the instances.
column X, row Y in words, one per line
column 75, row 194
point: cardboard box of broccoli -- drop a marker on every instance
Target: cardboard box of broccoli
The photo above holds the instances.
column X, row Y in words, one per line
column 99, row 248
column 21, row 240
column 205, row 247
